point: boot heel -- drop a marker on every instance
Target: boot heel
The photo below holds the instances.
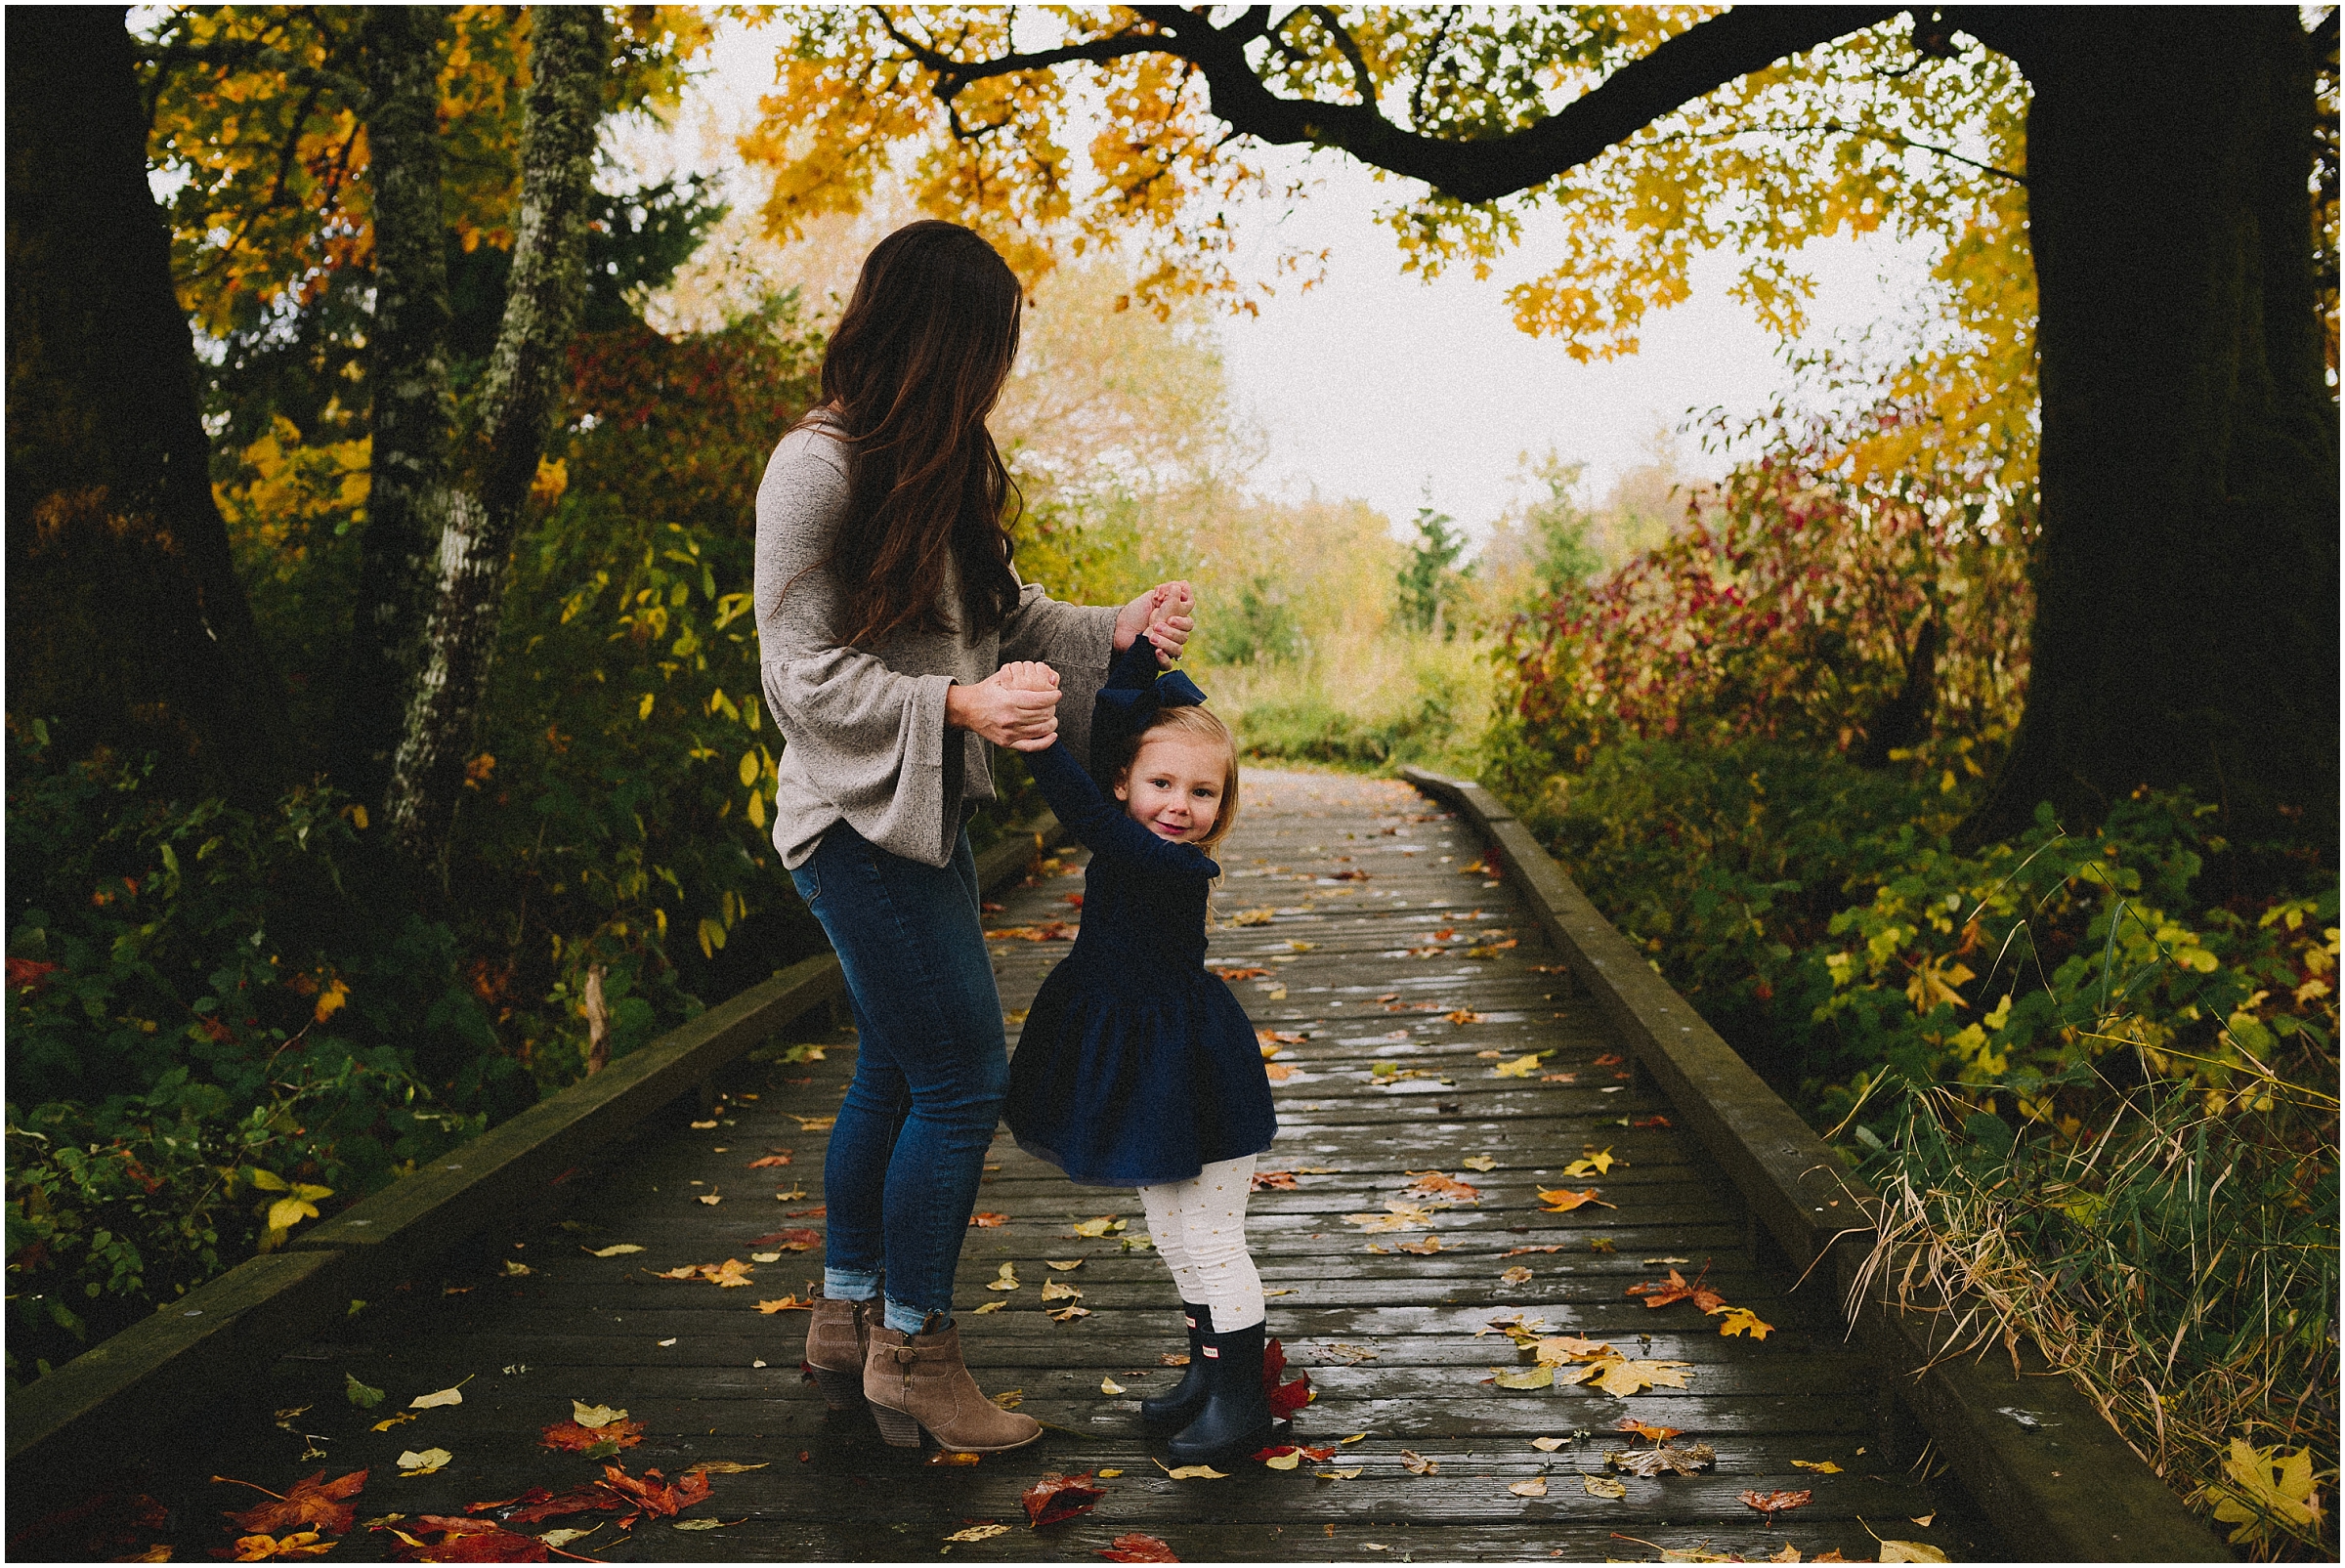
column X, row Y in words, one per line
column 899, row 1430
column 842, row 1390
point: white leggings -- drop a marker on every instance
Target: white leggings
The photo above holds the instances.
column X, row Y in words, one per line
column 1199, row 1226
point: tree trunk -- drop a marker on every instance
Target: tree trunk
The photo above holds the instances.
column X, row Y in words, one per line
column 520, row 398
column 412, row 412
column 2186, row 629
column 126, row 622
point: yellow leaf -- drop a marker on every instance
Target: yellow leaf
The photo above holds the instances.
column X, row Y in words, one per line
column 287, row 1212
column 1192, row 1472
column 1054, row 1291
column 1522, row 1067
column 1596, row 1164
column 446, row 1396
column 612, row 1252
column 1006, row 1280
column 1562, row 1200
column 1547, row 1445
column 1108, row 1386
column 1556, row 1351
column 1105, row 1225
column 1912, row 1552
column 1526, row 1377
column 990, row 1307
column 1479, row 1161
column 331, row 999
column 1535, row 1488
column 1065, row 1265
column 1819, row 1467
column 424, row 1463
column 1604, row 1486
column 1107, row 1475
column 1284, row 1461
column 643, row 709
column 2265, row 1486
column 594, row 1416
column 402, row 1417
column 1339, row 1474
column 1742, row 1320
column 979, row 1532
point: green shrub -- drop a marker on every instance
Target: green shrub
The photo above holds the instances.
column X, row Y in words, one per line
column 210, row 1015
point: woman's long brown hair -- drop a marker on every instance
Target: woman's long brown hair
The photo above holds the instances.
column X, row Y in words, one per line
column 915, row 364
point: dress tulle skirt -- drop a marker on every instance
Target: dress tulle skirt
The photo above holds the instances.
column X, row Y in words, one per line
column 1125, row 1080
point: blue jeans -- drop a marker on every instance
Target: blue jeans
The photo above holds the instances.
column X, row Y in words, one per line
column 930, row 1073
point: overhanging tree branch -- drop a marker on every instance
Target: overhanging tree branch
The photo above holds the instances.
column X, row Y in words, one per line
column 1696, row 61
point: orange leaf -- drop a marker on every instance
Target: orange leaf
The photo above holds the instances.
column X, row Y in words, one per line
column 790, row 1240
column 768, row 1162
column 1678, row 1290
column 574, row 1438
column 988, row 1219
column 314, row 1503
column 1562, row 1200
column 1133, row 1546
column 1274, row 1181
column 1651, row 1434
column 1770, row 1503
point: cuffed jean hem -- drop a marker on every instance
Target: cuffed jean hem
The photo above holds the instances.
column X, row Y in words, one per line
column 850, row 1283
column 913, row 1320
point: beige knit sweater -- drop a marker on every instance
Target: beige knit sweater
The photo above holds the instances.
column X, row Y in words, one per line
column 864, row 740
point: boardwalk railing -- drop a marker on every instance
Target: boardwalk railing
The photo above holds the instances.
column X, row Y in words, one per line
column 2034, row 1451
column 212, row 1337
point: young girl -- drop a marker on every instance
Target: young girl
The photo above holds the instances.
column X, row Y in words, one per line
column 1136, row 1067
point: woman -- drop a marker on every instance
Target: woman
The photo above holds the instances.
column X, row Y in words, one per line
column 887, row 605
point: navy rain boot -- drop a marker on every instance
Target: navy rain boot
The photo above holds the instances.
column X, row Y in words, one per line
column 1236, row 1420
column 1173, row 1411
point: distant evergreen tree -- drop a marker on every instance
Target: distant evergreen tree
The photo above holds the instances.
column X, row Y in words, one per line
column 1431, row 579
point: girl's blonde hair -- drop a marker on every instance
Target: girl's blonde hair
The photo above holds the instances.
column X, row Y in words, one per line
column 1195, row 721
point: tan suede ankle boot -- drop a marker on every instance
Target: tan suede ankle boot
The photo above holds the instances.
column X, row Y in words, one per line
column 919, row 1382
column 837, row 1339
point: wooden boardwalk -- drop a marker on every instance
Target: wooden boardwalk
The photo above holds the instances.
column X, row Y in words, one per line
column 1368, row 947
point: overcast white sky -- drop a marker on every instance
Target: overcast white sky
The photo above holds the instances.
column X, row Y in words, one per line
column 1377, row 385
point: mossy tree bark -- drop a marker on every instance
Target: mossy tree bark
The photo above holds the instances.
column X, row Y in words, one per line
column 125, row 617
column 518, row 400
column 2186, row 624
column 411, row 409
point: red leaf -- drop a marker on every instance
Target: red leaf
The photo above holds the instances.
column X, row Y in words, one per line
column 32, row 972
column 1770, row 1503
column 790, row 1240
column 313, row 1504
column 1286, row 1400
column 574, row 1438
column 1057, row 1497
column 467, row 1540
column 987, row 1219
column 1274, row 1181
column 1676, row 1289
column 1133, row 1546
column 539, row 1504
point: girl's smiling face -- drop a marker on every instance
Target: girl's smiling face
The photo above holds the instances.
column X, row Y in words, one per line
column 1174, row 787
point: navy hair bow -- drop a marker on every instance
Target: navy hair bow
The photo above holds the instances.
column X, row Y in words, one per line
column 1134, row 705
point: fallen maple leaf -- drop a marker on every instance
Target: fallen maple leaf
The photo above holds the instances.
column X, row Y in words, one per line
column 313, row 1501
column 1422, row 1247
column 1479, row 1161
column 618, row 1251
column 1678, row 1290
column 1399, row 1214
column 1770, row 1503
column 260, row 1549
column 1249, row 972
column 1742, row 1320
column 1057, row 1497
column 1517, row 1252
column 1542, row 1377
column 1104, row 1225
column 1520, row 1067
column 1192, row 1472
column 1059, row 1291
column 791, row 1303
column 1535, row 1488
column 1598, row 1164
column 1650, row 1122
column 1691, row 1460
column 1651, row 1434
column 1819, row 1467
column 1417, row 1464
column 572, row 1437
column 1274, row 1181
column 1066, row 1314
column 799, row 1240
column 1464, row 1016
column 1604, row 1486
column 1909, row 1551
column 1133, row 1546
column 768, row 1162
column 988, row 1219
column 1547, row 1445
column 413, row 1463
column 1622, row 1378
column 1435, row 1187
column 1517, row 1274
column 446, row 1396
column 1285, row 1398
column 1562, row 1200
column 1556, row 1351
column 2265, row 1486
column 1005, row 1280
column 1279, row 1036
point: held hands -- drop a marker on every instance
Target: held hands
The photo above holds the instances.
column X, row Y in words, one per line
column 1164, row 613
column 1015, row 707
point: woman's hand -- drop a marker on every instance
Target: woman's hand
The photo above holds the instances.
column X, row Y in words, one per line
column 1163, row 614
column 1014, row 706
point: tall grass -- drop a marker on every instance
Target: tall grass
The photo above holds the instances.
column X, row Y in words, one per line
column 2180, row 1265
column 1363, row 700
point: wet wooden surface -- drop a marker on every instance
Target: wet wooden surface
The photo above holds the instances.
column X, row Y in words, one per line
column 1373, row 913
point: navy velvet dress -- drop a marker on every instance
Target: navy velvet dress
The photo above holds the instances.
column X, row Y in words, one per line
column 1135, row 1066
